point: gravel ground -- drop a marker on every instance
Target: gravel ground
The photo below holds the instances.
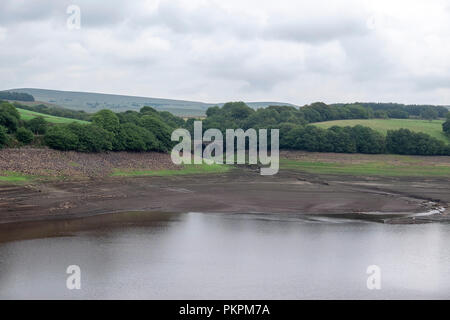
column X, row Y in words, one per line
column 48, row 162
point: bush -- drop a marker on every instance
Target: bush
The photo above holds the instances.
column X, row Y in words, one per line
column 9, row 117
column 24, row 135
column 107, row 120
column 61, row 138
column 368, row 140
column 446, row 125
column 37, row 125
column 3, row 136
column 404, row 141
column 160, row 130
column 91, row 138
column 134, row 138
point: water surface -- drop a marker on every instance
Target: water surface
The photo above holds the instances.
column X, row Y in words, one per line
column 223, row 256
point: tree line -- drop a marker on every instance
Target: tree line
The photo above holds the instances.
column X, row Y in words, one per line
column 150, row 130
column 19, row 96
column 297, row 133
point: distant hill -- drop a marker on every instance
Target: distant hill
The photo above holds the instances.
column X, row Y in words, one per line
column 92, row 102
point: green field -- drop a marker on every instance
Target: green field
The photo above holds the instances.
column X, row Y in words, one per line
column 185, row 170
column 433, row 128
column 27, row 115
column 9, row 176
column 375, row 168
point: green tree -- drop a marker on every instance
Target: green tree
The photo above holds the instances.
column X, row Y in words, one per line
column 37, row 125
column 381, row 114
column 9, row 116
column 24, row 135
column 429, row 114
column 107, row 120
column 133, row 138
column 91, row 138
column 148, row 110
column 160, row 130
column 61, row 138
column 3, row 136
column 446, row 125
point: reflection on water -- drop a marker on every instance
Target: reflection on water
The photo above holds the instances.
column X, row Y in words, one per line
column 213, row 256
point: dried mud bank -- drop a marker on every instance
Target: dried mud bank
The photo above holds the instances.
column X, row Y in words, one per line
column 381, row 199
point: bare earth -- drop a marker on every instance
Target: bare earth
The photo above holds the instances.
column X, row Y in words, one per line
column 242, row 190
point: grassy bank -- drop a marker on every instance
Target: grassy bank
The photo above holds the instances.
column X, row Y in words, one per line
column 375, row 168
column 185, row 170
column 27, row 115
column 433, row 128
column 8, row 176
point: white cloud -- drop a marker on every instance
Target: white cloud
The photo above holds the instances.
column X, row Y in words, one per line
column 293, row 51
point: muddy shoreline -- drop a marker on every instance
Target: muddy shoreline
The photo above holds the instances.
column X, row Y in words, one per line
column 243, row 190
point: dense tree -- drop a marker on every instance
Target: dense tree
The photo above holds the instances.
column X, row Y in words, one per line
column 380, row 114
column 429, row 114
column 37, row 125
column 133, row 138
column 107, row 120
column 9, row 116
column 148, row 110
column 160, row 130
column 91, row 138
column 404, row 141
column 446, row 125
column 24, row 135
column 3, row 136
column 21, row 96
column 368, row 140
column 61, row 138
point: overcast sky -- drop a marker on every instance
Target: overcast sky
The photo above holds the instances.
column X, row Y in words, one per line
column 212, row 51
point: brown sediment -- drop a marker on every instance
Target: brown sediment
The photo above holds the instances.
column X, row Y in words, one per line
column 53, row 163
column 240, row 191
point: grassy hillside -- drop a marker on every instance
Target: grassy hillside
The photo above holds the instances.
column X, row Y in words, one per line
column 27, row 115
column 433, row 128
column 92, row 102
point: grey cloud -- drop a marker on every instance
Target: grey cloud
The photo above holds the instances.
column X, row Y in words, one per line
column 295, row 51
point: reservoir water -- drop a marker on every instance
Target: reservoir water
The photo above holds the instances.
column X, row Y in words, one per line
column 223, row 256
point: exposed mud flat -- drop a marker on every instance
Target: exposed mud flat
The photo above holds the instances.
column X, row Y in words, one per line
column 380, row 199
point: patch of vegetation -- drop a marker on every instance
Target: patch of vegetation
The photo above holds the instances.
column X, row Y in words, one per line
column 24, row 135
column 20, row 96
column 184, row 170
column 8, row 176
column 433, row 128
column 366, row 169
column 28, row 115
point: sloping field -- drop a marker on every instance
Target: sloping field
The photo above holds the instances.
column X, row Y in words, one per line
column 433, row 128
column 27, row 115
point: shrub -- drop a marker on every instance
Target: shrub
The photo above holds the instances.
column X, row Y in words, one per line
column 24, row 135
column 404, row 141
column 37, row 125
column 61, row 138
column 107, row 120
column 160, row 130
column 134, row 138
column 3, row 136
column 9, row 117
column 91, row 138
